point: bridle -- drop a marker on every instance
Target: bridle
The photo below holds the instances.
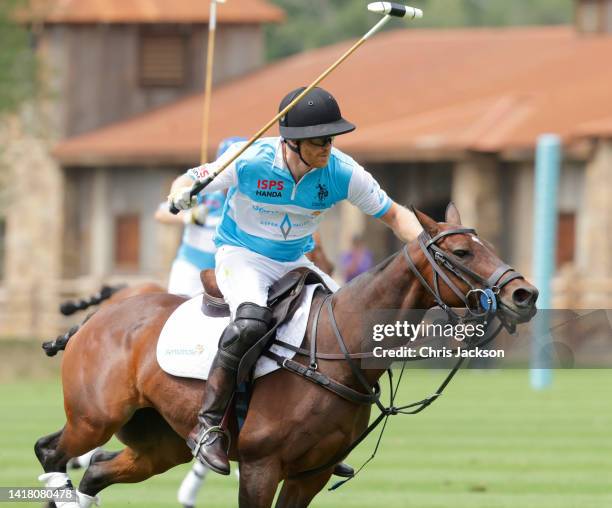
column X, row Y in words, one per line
column 485, row 296
column 480, row 300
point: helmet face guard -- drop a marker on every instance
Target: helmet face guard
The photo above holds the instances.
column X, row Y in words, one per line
column 316, row 115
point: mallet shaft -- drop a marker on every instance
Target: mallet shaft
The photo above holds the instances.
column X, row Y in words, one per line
column 414, row 13
column 197, row 188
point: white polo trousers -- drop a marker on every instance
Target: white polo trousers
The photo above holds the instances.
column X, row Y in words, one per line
column 184, row 279
column 245, row 276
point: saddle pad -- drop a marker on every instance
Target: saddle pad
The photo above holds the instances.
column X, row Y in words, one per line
column 188, row 341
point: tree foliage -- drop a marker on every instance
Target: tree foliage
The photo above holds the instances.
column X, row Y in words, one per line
column 17, row 59
column 316, row 23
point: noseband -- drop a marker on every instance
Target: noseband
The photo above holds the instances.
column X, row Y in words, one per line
column 485, row 295
column 486, row 298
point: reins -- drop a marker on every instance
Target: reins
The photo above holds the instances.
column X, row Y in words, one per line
column 374, row 393
column 487, row 303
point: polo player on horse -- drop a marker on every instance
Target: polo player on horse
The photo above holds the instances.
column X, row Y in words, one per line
column 279, row 190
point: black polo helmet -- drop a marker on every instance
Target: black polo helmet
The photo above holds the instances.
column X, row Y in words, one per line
column 316, row 115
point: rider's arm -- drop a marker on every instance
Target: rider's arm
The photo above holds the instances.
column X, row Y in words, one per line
column 403, row 222
column 179, row 194
column 227, row 178
column 365, row 193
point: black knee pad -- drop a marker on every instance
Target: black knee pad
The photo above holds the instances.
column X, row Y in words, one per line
column 248, row 310
column 250, row 324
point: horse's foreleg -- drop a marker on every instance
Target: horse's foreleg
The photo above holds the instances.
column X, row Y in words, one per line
column 80, row 436
column 54, row 458
column 128, row 466
column 54, row 451
column 102, row 456
column 46, row 452
column 299, row 493
column 152, row 448
column 258, row 482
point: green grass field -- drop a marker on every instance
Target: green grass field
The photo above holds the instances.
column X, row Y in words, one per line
column 489, row 442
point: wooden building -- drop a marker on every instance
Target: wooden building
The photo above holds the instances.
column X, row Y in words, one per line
column 103, row 63
column 457, row 118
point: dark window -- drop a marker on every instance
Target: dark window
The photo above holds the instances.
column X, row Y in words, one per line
column 127, row 242
column 163, row 59
column 566, row 238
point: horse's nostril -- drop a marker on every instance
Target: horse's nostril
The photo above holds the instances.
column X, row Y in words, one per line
column 523, row 297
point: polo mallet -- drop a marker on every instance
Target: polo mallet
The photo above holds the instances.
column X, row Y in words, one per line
column 210, row 55
column 389, row 9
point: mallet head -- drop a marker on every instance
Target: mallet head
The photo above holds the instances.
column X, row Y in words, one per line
column 395, row 10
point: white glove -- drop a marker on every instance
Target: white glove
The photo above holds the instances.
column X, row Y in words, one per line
column 181, row 199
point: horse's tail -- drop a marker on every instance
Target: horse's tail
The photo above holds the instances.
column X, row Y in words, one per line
column 69, row 307
column 52, row 347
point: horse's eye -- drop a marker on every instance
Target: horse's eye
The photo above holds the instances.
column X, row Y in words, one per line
column 461, row 253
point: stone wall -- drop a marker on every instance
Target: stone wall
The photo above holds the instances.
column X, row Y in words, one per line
column 80, row 95
column 594, row 239
column 33, row 226
column 477, row 193
column 518, row 219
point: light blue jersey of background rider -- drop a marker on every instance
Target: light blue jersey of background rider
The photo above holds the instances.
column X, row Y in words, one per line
column 197, row 249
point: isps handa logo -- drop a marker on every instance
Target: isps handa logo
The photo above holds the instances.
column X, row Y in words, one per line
column 270, row 188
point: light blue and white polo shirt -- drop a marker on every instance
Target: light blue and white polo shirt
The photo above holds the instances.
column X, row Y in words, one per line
column 267, row 212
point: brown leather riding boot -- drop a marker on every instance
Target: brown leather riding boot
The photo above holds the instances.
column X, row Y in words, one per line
column 208, row 441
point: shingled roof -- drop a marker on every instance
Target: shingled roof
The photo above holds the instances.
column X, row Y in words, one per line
column 412, row 94
column 601, row 128
column 152, row 11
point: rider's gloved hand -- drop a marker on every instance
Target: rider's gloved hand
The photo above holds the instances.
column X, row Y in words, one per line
column 197, row 215
column 181, row 198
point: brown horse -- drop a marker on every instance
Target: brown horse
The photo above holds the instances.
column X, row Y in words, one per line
column 292, row 425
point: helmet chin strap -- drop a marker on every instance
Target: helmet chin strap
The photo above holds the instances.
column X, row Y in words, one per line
column 296, row 149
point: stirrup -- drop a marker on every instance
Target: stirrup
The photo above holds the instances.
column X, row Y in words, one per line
column 202, row 439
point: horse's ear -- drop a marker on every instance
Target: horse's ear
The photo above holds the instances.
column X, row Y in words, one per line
column 452, row 214
column 429, row 225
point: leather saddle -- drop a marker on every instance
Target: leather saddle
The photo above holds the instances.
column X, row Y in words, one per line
column 282, row 299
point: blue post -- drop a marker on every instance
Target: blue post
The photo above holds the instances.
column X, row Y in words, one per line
column 548, row 162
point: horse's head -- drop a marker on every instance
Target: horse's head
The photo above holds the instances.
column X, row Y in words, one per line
column 464, row 271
